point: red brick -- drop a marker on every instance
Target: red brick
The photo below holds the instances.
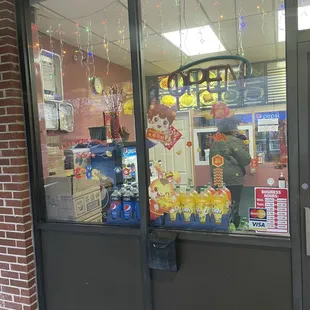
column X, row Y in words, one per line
column 4, row 162
column 10, row 101
column 13, row 92
column 20, row 169
column 19, row 161
column 17, row 144
column 16, row 186
column 7, row 40
column 12, row 136
column 17, row 219
column 10, row 290
column 7, row 226
column 27, row 276
column 8, row 49
column 9, row 84
column 7, row 258
column 3, row 250
column 10, row 75
column 22, row 268
column 7, row 119
column 19, row 283
column 3, row 128
column 17, row 235
column 24, row 227
column 2, row 234
column 22, row 210
column 6, row 211
column 4, row 281
column 9, row 57
column 29, row 292
column 9, row 66
column 7, row 32
column 15, row 110
column 4, row 266
column 4, row 145
column 3, row 111
column 24, row 243
column 12, row 305
column 1, row 202
column 5, row 178
column 16, row 127
column 17, row 251
column 14, row 153
column 9, row 274
column 5, row 297
column 7, row 14
column 22, row 300
column 20, row 178
column 13, row 203
column 6, row 195
column 7, row 242
column 21, row 195
column 32, row 307
column 25, row 260
column 5, row 5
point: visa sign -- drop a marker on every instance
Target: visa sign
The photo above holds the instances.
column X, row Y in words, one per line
column 257, row 219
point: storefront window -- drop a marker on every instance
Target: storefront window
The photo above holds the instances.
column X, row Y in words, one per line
column 217, row 121
column 85, row 110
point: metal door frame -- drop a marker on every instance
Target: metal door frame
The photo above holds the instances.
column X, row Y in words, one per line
column 23, row 18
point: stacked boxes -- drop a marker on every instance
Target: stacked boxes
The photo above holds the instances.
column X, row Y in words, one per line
column 72, row 199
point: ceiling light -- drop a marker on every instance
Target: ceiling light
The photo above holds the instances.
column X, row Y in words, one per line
column 303, row 21
column 196, row 41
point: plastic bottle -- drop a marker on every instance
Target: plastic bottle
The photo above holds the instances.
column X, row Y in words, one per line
column 135, row 196
column 194, row 193
column 137, row 206
column 188, row 206
column 116, row 204
column 227, row 191
column 122, row 190
column 200, row 205
column 226, row 197
column 211, row 189
column 128, row 204
column 181, row 196
column 219, row 207
column 281, row 181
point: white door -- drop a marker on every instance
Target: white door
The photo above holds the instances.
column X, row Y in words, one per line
column 179, row 158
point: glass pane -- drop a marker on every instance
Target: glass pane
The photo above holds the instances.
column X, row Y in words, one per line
column 85, row 105
column 217, row 130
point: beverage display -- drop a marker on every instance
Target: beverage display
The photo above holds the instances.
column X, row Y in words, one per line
column 116, row 203
column 128, row 204
column 201, row 206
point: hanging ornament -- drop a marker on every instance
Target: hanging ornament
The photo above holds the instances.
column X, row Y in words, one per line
column 240, row 30
column 262, row 13
column 189, row 143
column 179, row 152
column 106, row 42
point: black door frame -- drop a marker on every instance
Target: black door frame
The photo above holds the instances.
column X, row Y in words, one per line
column 24, row 18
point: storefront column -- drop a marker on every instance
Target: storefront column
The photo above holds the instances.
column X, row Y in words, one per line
column 17, row 260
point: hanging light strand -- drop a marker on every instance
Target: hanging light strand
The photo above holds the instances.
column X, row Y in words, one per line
column 180, row 31
column 240, row 31
column 262, row 13
column 106, row 42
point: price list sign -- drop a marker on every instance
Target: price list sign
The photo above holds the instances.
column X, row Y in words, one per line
column 275, row 201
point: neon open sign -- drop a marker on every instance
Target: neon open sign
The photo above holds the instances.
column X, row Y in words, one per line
column 216, row 77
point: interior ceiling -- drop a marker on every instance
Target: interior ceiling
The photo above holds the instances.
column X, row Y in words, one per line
column 259, row 36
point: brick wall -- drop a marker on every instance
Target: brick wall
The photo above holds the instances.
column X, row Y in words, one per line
column 17, row 266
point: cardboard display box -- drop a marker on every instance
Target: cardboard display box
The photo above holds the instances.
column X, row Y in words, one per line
column 71, row 199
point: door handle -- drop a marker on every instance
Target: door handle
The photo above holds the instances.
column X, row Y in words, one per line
column 307, row 226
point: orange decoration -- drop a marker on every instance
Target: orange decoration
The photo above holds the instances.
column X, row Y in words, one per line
column 218, row 161
column 219, row 137
column 189, row 143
